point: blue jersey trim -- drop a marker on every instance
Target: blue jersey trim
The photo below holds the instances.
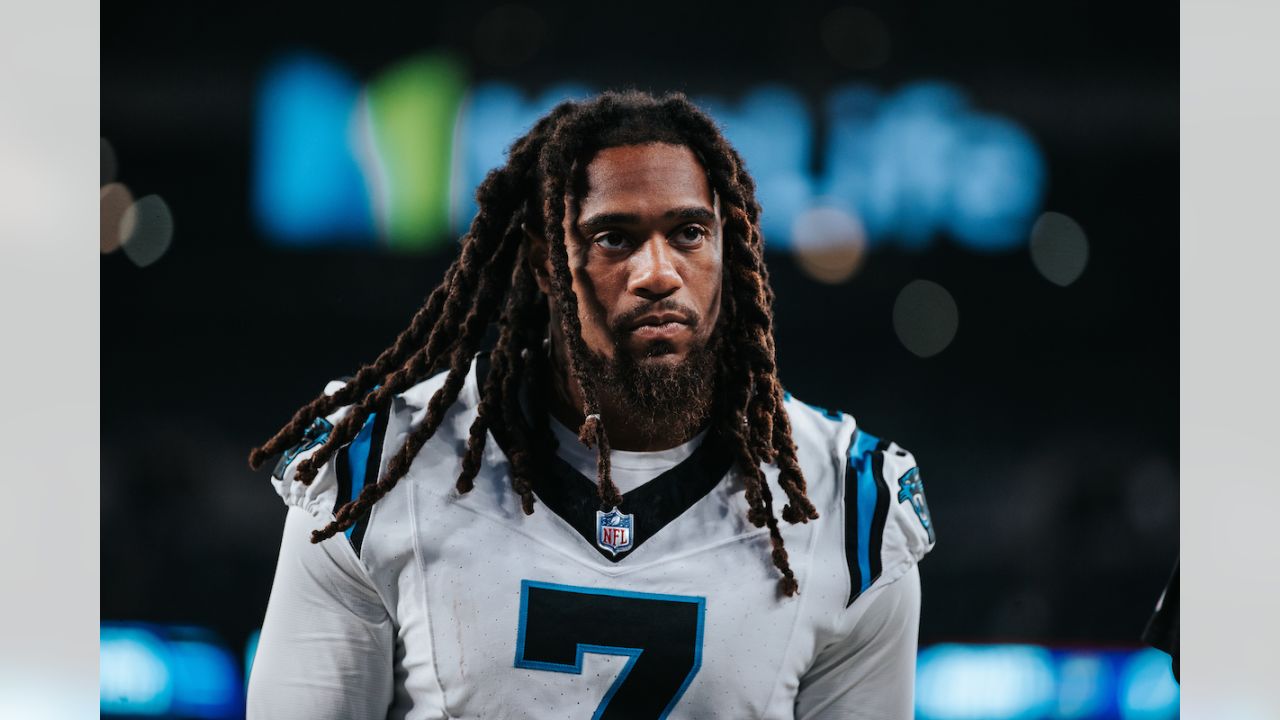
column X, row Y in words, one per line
column 864, row 445
column 358, row 460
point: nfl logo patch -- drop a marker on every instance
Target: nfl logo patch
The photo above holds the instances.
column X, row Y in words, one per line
column 613, row 531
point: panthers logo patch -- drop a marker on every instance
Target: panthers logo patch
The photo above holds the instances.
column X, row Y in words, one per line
column 912, row 488
column 317, row 433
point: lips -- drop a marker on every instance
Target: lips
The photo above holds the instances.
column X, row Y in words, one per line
column 658, row 320
column 665, row 331
column 660, row 326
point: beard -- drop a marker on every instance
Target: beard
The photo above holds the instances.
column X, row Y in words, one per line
column 660, row 399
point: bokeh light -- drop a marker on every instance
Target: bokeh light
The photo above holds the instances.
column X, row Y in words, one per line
column 406, row 119
column 307, row 185
column 115, row 203
column 958, row 682
column 1149, row 693
column 146, row 230
column 167, row 672
column 107, row 168
column 775, row 131
column 173, row 671
column 829, row 243
column 1059, row 248
column 1032, row 682
column 925, row 317
column 855, row 37
column 134, row 673
column 1085, row 684
column 398, row 157
column 922, row 162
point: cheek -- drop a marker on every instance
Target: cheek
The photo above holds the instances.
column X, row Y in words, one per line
column 710, row 292
column 608, row 281
column 597, row 289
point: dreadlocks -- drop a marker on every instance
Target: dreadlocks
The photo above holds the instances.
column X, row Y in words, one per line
column 537, row 191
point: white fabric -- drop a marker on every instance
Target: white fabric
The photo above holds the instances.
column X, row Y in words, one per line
column 869, row 673
column 327, row 641
column 629, row 470
column 424, row 622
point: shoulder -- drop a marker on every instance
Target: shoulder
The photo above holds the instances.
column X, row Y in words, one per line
column 819, row 434
column 361, row 461
column 886, row 527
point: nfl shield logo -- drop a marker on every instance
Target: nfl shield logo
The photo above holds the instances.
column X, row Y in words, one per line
column 613, row 531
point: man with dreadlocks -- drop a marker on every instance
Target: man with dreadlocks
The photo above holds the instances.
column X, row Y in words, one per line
column 495, row 563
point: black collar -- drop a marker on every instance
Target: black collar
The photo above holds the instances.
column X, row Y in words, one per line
column 575, row 498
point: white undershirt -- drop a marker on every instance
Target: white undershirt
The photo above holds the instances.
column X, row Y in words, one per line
column 629, row 469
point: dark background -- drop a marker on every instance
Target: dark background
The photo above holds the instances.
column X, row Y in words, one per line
column 1047, row 430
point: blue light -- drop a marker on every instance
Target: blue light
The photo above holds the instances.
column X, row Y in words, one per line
column 133, row 676
column 974, row 682
column 910, row 166
column 921, row 163
column 250, row 651
column 492, row 117
column 207, row 680
column 1021, row 682
column 307, row 184
column 1086, row 685
column 998, row 180
column 167, row 672
column 772, row 127
column 1148, row 690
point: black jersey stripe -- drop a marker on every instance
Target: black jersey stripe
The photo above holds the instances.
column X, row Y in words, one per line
column 851, row 527
column 880, row 514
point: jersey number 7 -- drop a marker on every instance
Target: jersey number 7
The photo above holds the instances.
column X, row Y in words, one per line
column 661, row 634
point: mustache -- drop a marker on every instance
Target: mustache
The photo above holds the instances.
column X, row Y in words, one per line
column 621, row 324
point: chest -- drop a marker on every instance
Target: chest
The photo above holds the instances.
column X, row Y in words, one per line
column 527, row 619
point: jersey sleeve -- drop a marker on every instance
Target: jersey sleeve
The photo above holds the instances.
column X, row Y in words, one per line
column 865, row 665
column 869, row 672
column 340, row 480
column 327, row 643
column 887, row 524
column 319, row 497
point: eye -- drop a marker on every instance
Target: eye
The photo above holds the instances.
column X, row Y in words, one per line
column 612, row 241
column 691, row 235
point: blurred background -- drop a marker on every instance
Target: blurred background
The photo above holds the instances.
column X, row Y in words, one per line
column 970, row 218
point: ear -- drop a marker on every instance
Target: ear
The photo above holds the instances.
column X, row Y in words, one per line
column 539, row 259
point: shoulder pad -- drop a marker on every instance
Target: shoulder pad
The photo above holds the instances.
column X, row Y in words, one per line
column 360, row 462
column 887, row 526
column 817, row 430
column 341, row 478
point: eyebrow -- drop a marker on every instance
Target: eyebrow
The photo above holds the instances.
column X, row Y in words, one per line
column 694, row 212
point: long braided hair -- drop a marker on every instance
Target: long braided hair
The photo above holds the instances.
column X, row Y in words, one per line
column 492, row 280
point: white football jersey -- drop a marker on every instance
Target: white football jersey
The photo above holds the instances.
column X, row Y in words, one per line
column 448, row 605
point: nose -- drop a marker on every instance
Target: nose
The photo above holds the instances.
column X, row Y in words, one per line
column 654, row 275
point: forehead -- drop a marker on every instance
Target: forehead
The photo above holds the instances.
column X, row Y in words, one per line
column 651, row 177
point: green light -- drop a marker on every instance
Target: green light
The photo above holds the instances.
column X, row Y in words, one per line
column 410, row 114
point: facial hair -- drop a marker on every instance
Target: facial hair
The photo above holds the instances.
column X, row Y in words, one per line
column 660, row 399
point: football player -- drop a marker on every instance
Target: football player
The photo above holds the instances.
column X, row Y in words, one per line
column 584, row 521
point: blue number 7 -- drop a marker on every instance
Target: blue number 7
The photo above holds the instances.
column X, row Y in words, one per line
column 661, row 634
